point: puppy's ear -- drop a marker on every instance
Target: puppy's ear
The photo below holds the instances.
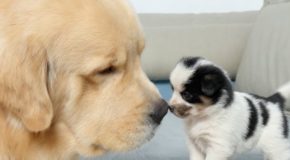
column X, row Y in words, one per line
column 23, row 84
column 211, row 84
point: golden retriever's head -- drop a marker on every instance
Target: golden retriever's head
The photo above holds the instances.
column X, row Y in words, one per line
column 78, row 63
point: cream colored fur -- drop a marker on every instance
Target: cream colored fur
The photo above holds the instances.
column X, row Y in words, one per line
column 56, row 99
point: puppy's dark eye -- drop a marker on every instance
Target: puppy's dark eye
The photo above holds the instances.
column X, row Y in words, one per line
column 107, row 70
column 187, row 96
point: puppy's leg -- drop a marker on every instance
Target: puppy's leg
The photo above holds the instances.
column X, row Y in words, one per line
column 195, row 153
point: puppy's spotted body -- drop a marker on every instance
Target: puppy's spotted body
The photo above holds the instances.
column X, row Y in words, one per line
column 221, row 122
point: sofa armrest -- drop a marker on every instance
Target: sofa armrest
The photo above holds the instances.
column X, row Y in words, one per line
column 217, row 37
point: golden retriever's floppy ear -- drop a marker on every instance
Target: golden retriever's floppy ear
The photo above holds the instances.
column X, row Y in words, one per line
column 23, row 84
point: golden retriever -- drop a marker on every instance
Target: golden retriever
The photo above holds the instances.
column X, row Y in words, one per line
column 71, row 82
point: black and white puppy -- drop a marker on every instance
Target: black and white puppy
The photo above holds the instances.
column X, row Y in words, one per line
column 221, row 122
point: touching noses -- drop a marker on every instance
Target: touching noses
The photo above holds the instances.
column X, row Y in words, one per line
column 175, row 100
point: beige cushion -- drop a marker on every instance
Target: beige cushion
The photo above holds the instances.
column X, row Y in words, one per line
column 266, row 63
column 218, row 37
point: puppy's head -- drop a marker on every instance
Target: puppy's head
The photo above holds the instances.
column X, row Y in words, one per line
column 197, row 85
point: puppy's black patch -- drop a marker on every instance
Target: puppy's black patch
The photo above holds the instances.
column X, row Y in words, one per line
column 253, row 120
column 277, row 98
column 211, row 83
column 258, row 97
column 208, row 81
column 264, row 113
column 285, row 126
column 190, row 61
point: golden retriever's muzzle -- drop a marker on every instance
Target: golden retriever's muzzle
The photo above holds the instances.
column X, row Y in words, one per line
column 160, row 110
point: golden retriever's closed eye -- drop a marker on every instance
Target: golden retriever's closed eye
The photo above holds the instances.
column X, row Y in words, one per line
column 71, row 81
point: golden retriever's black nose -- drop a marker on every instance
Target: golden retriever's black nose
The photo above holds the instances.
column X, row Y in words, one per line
column 160, row 110
column 171, row 108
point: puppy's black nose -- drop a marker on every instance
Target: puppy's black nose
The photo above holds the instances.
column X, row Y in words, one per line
column 160, row 110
